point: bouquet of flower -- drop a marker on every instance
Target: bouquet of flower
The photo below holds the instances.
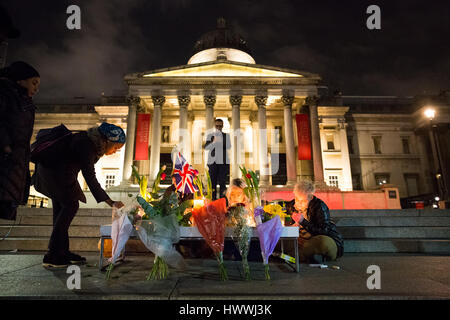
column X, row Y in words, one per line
column 272, row 210
column 121, row 229
column 159, row 233
column 269, row 233
column 210, row 220
column 158, row 228
column 242, row 233
column 252, row 190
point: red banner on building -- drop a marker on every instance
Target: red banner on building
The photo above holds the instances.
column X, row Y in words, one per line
column 304, row 137
column 142, row 133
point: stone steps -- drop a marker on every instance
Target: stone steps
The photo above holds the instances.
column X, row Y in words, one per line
column 42, row 220
column 395, row 232
column 49, row 212
column 430, row 246
column 390, row 213
column 81, row 244
column 84, row 244
column 390, row 231
column 363, row 221
column 21, row 231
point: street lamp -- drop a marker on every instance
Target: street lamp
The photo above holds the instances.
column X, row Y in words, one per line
column 430, row 113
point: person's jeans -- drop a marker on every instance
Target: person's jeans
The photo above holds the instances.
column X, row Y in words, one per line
column 63, row 214
column 218, row 174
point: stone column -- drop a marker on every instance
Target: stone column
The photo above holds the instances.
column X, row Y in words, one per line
column 262, row 140
column 158, row 102
column 210, row 101
column 347, row 184
column 315, row 139
column 291, row 162
column 133, row 102
column 183, row 136
column 236, row 142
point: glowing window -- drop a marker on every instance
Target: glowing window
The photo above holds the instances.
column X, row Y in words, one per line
column 110, row 180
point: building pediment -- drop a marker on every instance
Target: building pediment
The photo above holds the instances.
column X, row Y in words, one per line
column 226, row 69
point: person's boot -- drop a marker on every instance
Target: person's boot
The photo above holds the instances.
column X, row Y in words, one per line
column 55, row 261
column 75, row 258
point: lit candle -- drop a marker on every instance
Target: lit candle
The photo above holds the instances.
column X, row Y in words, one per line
column 198, row 203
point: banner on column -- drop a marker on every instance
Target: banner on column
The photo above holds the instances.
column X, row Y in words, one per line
column 142, row 133
column 304, row 137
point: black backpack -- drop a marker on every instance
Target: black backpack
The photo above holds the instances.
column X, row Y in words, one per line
column 51, row 145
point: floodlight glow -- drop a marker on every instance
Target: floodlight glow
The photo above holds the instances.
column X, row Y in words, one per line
column 430, row 113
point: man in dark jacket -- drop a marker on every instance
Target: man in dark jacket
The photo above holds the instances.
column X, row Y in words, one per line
column 319, row 240
column 59, row 182
column 18, row 84
column 217, row 144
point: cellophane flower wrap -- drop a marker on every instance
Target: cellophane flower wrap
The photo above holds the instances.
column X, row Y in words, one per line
column 210, row 221
column 121, row 229
column 158, row 228
column 269, row 232
column 158, row 231
column 242, row 233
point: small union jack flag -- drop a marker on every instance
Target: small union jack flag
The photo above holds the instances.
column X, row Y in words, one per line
column 184, row 175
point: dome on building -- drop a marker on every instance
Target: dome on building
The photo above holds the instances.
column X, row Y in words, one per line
column 222, row 43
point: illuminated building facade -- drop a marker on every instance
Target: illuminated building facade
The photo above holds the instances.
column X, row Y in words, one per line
column 350, row 143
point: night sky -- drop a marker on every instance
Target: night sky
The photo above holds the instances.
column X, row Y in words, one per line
column 410, row 54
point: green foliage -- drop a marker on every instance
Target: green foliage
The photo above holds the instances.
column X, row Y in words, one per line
column 201, row 192
column 209, row 185
column 252, row 189
column 136, row 174
column 199, row 184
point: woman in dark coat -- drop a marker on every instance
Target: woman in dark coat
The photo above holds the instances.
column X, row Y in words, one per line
column 18, row 84
column 319, row 240
column 59, row 182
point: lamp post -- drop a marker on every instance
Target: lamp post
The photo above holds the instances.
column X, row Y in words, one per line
column 430, row 113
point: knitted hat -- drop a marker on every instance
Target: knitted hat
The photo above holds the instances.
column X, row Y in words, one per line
column 19, row 70
column 112, row 132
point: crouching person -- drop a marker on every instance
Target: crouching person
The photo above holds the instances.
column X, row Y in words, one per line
column 319, row 240
column 59, row 183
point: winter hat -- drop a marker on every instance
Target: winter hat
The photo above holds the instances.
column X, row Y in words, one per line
column 19, row 70
column 112, row 132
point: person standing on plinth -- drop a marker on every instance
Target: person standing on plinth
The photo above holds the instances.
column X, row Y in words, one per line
column 217, row 144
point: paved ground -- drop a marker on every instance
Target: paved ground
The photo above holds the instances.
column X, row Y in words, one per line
column 402, row 277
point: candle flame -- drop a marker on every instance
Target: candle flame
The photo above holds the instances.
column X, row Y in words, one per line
column 198, row 203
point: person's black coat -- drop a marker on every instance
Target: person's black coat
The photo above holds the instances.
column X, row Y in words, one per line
column 17, row 112
column 216, row 146
column 319, row 222
column 60, row 182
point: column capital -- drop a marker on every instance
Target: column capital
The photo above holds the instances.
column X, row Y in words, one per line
column 236, row 100
column 158, row 100
column 312, row 100
column 261, row 101
column 184, row 101
column 210, row 100
column 287, row 101
column 133, row 100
